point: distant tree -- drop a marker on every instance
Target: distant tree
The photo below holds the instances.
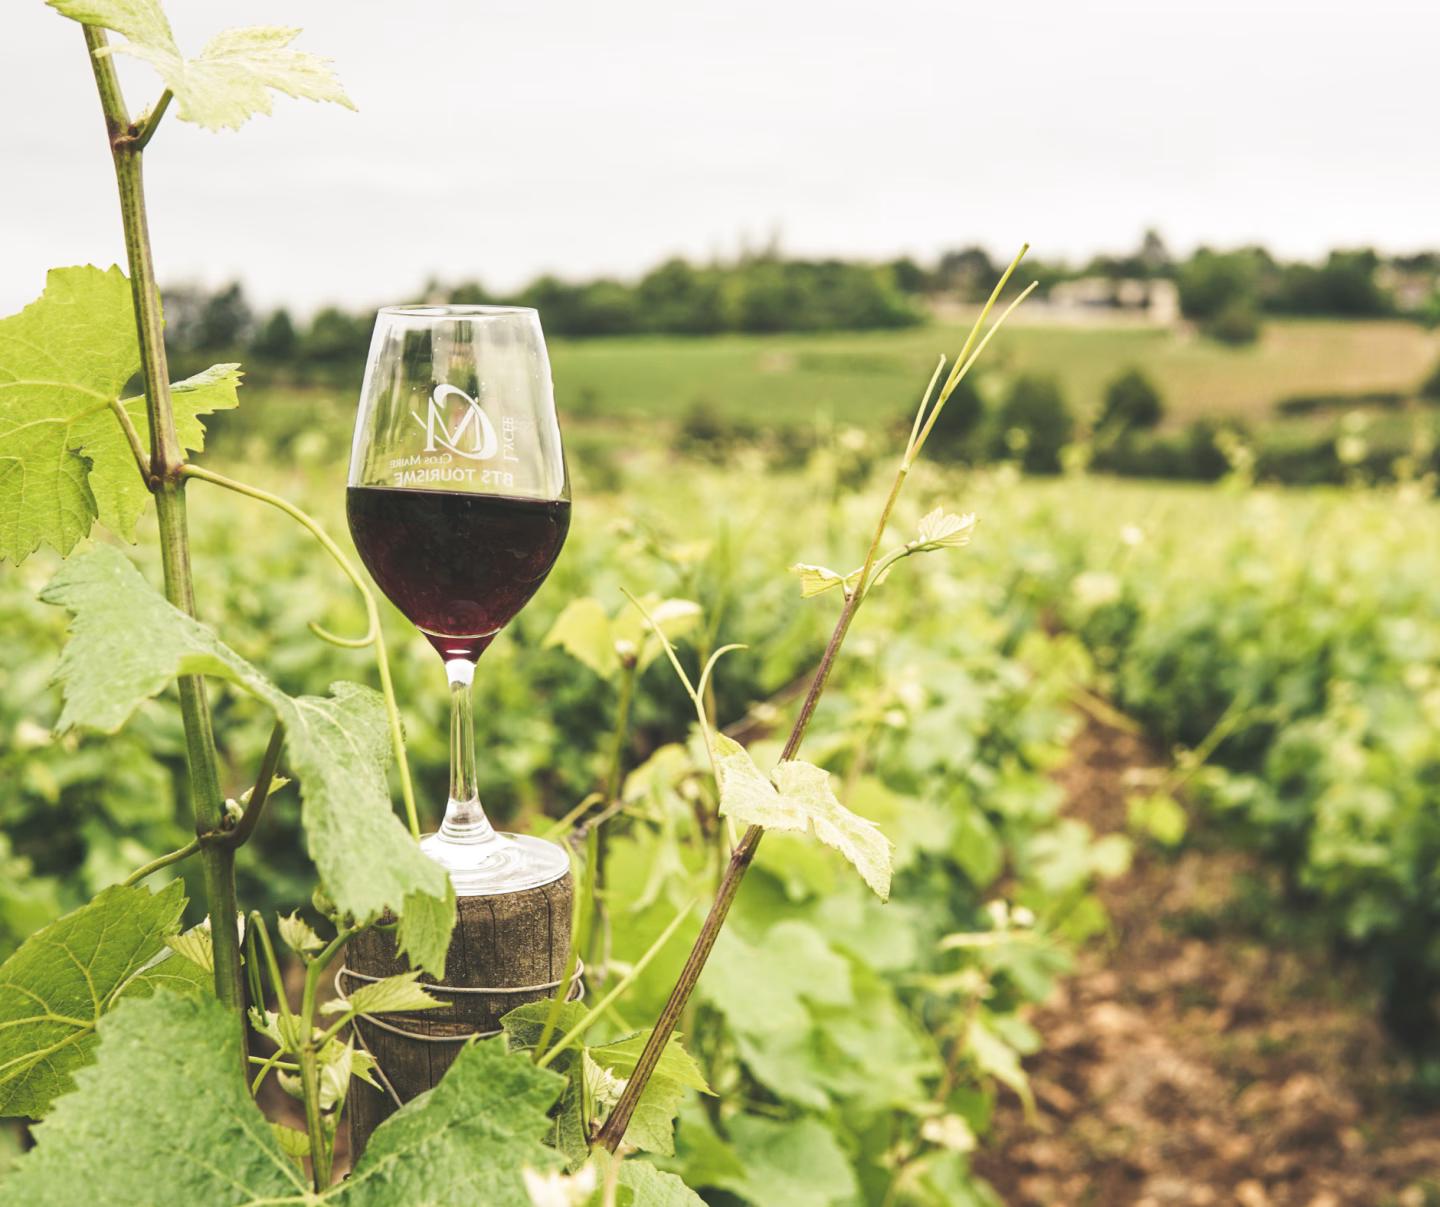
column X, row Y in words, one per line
column 183, row 307
column 336, row 338
column 1033, row 423
column 908, row 276
column 1211, row 281
column 467, row 293
column 1132, row 404
column 275, row 339
column 1237, row 323
column 225, row 319
column 681, row 299
column 967, row 271
column 1345, row 285
column 1153, row 256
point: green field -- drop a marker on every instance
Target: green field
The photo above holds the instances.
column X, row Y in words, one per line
column 861, row 377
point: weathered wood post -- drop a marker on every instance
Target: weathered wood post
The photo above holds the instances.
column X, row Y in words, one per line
column 508, row 949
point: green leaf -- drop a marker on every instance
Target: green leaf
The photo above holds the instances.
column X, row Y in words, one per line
column 791, row 1164
column 293, row 1142
column 675, row 1062
column 816, row 580
column 57, row 986
column 121, row 495
column 940, row 529
column 195, row 945
column 339, row 745
column 298, row 936
column 466, row 1140
column 761, row 988
column 63, row 360
column 395, row 993
column 673, row 617
column 652, row 1126
column 582, row 630
column 200, row 1139
column 567, row 1131
column 648, row 1186
column 800, row 799
column 64, row 459
column 1159, row 815
column 229, row 81
column 162, row 1118
column 997, row 1058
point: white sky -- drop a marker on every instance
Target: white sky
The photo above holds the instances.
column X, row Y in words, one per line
column 498, row 138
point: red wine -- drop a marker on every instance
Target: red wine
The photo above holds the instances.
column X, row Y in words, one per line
column 459, row 566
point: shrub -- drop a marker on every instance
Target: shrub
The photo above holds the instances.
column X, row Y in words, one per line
column 1033, row 423
column 1132, row 404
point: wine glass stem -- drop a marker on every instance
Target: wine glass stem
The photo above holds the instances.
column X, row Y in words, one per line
column 465, row 820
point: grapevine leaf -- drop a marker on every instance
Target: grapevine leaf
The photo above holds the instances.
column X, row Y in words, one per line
column 195, row 945
column 673, row 617
column 339, row 745
column 792, row 1164
column 121, row 495
column 199, row 1138
column 229, row 81
column 800, row 799
column 523, row 1027
column 57, row 986
column 650, row 1187
column 816, row 580
column 62, row 360
column 652, row 1126
column 761, row 988
column 188, row 968
column 298, row 936
column 466, row 1140
column 293, row 1142
column 64, row 458
column 394, row 993
column 582, row 630
column 940, row 529
column 675, row 1062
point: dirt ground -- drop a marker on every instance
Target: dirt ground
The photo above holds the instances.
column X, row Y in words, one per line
column 1180, row 1070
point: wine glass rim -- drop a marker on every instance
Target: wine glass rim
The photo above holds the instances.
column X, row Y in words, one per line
column 456, row 311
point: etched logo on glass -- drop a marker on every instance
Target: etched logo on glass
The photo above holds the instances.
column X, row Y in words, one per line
column 473, row 437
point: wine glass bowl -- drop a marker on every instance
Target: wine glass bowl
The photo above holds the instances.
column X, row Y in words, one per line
column 459, row 504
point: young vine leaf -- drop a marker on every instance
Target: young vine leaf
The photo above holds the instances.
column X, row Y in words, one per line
column 339, row 745
column 297, row 935
column 816, row 580
column 941, row 529
column 64, row 458
column 62, row 980
column 585, row 632
column 798, row 798
column 230, row 80
column 201, row 1139
column 399, row 992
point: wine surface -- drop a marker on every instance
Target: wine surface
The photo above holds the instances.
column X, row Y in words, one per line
column 459, row 566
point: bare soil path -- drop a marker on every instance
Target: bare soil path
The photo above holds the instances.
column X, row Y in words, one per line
column 1189, row 1063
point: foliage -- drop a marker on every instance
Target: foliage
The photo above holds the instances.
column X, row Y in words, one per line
column 1032, row 423
column 1132, row 404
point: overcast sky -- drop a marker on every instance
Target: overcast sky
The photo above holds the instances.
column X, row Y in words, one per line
column 498, row 139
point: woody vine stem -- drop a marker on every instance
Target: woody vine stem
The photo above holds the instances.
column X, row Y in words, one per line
column 613, row 1130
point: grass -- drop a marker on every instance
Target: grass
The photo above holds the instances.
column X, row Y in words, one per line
column 872, row 377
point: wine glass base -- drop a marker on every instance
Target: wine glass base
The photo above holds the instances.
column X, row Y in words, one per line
column 507, row 863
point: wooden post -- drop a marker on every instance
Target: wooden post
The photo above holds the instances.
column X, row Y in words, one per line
column 501, row 942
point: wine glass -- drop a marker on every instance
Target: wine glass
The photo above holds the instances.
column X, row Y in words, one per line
column 458, row 502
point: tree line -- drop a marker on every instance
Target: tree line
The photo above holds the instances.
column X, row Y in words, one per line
column 1226, row 293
